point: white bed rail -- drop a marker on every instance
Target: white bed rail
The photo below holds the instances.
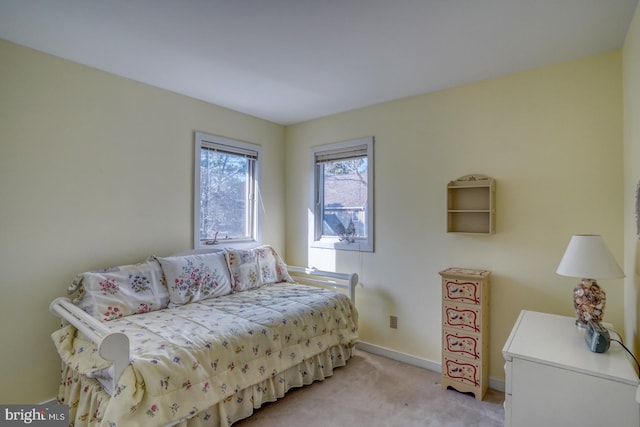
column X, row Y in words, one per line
column 347, row 281
column 112, row 346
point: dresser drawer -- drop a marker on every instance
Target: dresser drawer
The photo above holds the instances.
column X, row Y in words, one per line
column 461, row 290
column 464, row 344
column 463, row 370
column 462, row 316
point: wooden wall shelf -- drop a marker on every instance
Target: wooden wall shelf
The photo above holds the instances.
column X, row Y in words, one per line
column 471, row 205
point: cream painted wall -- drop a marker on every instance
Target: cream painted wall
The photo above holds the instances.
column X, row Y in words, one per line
column 551, row 137
column 95, row 170
column 631, row 85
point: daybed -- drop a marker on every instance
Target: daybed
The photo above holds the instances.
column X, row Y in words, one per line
column 198, row 339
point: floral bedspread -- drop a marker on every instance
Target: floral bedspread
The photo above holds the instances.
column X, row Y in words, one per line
column 187, row 358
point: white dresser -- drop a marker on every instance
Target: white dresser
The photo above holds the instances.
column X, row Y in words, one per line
column 552, row 379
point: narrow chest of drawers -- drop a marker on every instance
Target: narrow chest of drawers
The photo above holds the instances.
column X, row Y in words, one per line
column 465, row 330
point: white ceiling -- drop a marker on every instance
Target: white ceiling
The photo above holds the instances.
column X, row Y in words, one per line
column 289, row 61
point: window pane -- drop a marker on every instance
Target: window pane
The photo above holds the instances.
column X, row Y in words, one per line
column 345, row 198
column 225, row 190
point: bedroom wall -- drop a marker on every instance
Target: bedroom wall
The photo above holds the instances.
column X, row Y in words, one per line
column 631, row 96
column 95, row 170
column 551, row 137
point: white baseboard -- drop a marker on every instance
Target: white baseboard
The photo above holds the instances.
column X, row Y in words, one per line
column 399, row 356
column 431, row 365
column 53, row 401
column 496, row 384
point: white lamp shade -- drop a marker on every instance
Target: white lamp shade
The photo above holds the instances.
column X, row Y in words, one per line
column 588, row 257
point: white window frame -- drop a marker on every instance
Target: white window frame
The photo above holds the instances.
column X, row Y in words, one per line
column 203, row 140
column 333, row 242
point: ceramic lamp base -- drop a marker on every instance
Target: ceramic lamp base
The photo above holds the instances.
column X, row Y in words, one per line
column 589, row 301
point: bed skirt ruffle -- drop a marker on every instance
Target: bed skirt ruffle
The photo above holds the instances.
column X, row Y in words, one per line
column 87, row 399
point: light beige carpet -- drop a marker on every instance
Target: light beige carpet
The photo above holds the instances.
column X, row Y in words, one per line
column 376, row 391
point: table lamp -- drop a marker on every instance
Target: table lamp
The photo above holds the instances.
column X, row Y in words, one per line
column 588, row 257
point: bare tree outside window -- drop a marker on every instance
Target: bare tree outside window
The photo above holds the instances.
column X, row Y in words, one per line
column 224, row 195
column 226, row 182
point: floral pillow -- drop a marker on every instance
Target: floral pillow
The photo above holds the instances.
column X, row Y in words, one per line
column 256, row 267
column 272, row 267
column 245, row 272
column 192, row 278
column 121, row 291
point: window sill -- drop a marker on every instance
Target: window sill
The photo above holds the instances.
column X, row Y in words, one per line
column 230, row 243
column 358, row 245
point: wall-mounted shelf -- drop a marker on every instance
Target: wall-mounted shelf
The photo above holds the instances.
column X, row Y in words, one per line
column 471, row 205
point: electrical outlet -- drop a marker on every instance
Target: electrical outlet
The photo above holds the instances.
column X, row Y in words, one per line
column 393, row 322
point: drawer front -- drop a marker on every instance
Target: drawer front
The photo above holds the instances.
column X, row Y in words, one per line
column 462, row 317
column 460, row 290
column 464, row 370
column 462, row 343
column 577, row 398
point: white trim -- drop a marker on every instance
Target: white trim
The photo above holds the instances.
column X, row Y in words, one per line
column 399, row 356
column 494, row 383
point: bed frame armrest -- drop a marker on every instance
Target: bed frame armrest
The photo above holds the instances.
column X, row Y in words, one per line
column 112, row 346
column 347, row 281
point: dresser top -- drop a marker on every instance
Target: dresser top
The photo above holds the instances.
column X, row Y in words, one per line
column 465, row 272
column 556, row 340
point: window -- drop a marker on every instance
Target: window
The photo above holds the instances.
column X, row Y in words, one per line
column 343, row 195
column 226, row 189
